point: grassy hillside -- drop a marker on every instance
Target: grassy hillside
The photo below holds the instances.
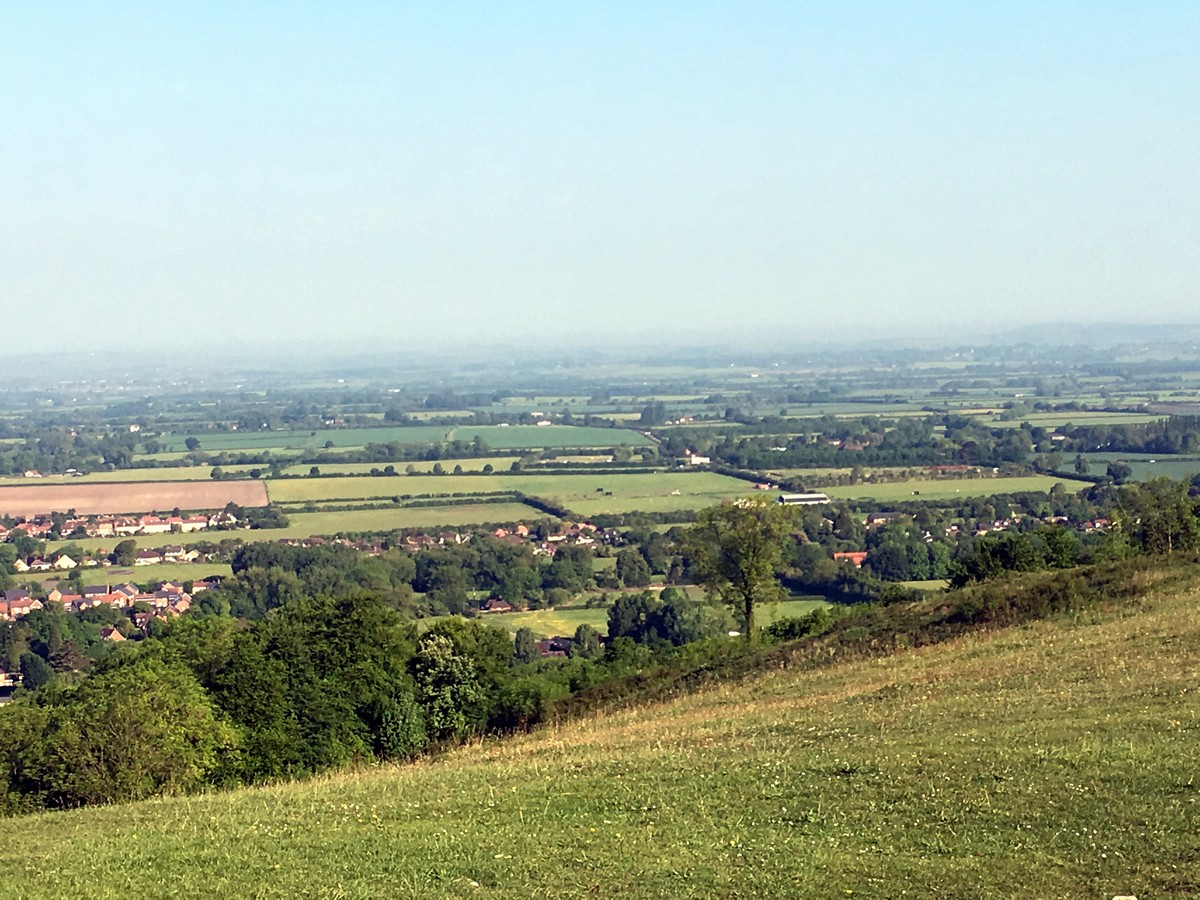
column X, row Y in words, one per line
column 1055, row 759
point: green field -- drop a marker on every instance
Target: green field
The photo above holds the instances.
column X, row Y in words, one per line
column 382, row 520
column 928, row 584
column 1058, row 419
column 949, row 489
column 581, row 493
column 529, row 437
column 157, row 540
column 216, row 441
column 787, row 609
column 299, row 490
column 519, row 437
column 1144, row 465
column 818, row 472
column 550, row 622
column 304, row 525
column 1027, row 762
column 144, row 574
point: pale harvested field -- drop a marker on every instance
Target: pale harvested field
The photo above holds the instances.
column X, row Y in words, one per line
column 149, row 496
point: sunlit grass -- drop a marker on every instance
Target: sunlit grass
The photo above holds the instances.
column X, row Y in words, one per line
column 1057, row 759
column 950, row 488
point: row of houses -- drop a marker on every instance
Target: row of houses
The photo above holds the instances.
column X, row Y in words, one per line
column 149, row 557
column 42, row 527
column 568, row 534
column 168, row 597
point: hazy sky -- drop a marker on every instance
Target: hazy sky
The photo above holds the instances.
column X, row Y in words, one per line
column 178, row 172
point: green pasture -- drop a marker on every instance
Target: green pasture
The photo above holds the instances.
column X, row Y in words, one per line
column 551, row 622
column 582, row 493
column 304, row 524
column 1144, row 465
column 359, row 488
column 787, row 609
column 530, row 437
column 233, row 441
column 826, row 472
column 929, row 585
column 149, row 541
column 949, row 489
column 384, row 520
column 851, row 410
column 517, row 437
column 1059, row 419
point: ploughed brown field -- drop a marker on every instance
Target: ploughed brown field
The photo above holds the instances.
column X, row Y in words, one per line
column 140, row 497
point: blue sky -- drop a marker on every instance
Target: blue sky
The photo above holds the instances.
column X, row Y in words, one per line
column 540, row 172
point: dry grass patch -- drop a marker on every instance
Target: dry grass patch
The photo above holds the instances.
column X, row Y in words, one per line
column 134, row 497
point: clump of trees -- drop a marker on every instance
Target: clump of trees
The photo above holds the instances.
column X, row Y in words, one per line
column 1158, row 517
column 211, row 701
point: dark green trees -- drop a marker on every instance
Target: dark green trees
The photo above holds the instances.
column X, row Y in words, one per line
column 133, row 731
column 670, row 619
column 525, row 646
column 125, row 553
column 586, row 643
column 632, row 569
column 737, row 548
column 35, row 671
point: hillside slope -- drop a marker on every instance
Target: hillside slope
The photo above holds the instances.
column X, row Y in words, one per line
column 1055, row 759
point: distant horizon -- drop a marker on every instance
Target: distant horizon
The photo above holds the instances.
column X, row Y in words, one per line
column 203, row 360
column 195, row 174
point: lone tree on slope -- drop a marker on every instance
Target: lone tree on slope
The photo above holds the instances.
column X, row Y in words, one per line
column 737, row 548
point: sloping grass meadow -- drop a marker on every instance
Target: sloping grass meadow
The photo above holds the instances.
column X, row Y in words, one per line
column 1055, row 759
